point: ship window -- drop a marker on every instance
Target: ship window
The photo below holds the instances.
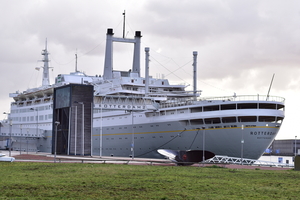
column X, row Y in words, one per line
column 247, row 106
column 181, row 111
column 196, row 121
column 279, row 119
column 280, row 106
column 212, row 121
column 266, row 119
column 267, row 106
column 211, row 108
column 228, row 107
column 247, row 119
column 229, row 119
column 198, row 109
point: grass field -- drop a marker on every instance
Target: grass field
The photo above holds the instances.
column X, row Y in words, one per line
column 24, row 180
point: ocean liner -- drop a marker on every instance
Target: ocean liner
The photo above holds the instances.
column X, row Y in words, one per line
column 135, row 116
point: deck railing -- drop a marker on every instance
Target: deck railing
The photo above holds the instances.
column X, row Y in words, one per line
column 245, row 98
column 190, row 101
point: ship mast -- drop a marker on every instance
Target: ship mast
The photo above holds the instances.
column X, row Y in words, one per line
column 124, row 24
column 45, row 60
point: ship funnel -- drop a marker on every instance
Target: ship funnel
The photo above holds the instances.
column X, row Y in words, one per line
column 147, row 49
column 136, row 53
column 108, row 62
column 195, row 54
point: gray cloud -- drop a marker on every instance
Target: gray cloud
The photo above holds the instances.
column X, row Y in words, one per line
column 241, row 44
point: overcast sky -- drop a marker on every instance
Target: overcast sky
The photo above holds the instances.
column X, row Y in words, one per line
column 240, row 44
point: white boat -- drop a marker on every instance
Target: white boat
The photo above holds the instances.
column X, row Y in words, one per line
column 135, row 116
column 4, row 158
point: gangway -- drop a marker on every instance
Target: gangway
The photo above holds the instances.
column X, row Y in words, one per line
column 245, row 161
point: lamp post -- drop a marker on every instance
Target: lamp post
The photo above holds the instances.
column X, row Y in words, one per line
column 101, row 130
column 132, row 139
column 82, row 128
column 37, row 119
column 203, row 144
column 27, row 139
column 0, row 131
column 132, row 124
column 75, row 131
column 242, row 144
column 55, row 143
column 10, row 127
column 295, row 145
column 20, row 139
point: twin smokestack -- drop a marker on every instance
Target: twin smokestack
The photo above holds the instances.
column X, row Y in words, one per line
column 108, row 62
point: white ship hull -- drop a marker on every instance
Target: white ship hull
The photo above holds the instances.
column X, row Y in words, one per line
column 119, row 132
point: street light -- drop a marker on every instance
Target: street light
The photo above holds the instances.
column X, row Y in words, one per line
column 132, row 136
column 203, row 144
column 75, row 131
column 20, row 139
column 101, row 129
column 37, row 119
column 295, row 145
column 27, row 139
column 82, row 127
column 242, row 144
column 0, row 130
column 55, row 143
column 10, row 127
column 132, row 125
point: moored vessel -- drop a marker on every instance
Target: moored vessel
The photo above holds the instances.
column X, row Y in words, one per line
column 134, row 116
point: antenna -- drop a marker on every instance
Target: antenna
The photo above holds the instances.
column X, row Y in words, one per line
column 124, row 24
column 45, row 53
column 270, row 87
column 76, row 61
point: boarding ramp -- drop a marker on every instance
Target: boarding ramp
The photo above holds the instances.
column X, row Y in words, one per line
column 219, row 159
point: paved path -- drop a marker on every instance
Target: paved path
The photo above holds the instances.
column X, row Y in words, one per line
column 47, row 157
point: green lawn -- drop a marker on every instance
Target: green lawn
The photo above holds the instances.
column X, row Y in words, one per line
column 23, row 180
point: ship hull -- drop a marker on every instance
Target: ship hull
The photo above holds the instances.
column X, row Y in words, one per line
column 145, row 139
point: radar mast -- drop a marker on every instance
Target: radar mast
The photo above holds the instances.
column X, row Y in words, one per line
column 46, row 61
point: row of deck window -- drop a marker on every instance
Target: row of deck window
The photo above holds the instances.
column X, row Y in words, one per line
column 218, row 120
column 238, row 106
